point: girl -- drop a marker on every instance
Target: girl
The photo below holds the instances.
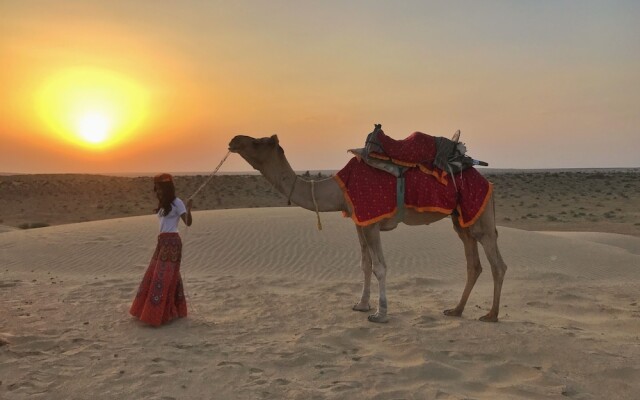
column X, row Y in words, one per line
column 160, row 297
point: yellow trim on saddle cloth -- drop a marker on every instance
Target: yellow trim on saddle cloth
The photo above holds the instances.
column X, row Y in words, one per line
column 393, row 160
column 440, row 177
column 355, row 219
column 446, row 211
column 480, row 211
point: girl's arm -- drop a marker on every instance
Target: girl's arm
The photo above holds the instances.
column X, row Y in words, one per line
column 186, row 217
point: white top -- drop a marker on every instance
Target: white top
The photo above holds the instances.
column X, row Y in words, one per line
column 169, row 223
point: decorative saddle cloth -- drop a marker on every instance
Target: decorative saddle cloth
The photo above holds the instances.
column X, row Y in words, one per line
column 374, row 193
column 417, row 150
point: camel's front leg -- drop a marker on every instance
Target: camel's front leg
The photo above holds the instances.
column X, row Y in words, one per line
column 498, row 270
column 473, row 267
column 365, row 264
column 379, row 267
column 485, row 231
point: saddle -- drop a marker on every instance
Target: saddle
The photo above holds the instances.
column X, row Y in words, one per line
column 437, row 156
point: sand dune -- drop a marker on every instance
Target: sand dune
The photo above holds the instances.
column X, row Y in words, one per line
column 603, row 200
column 270, row 300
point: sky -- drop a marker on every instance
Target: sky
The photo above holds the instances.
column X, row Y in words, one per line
column 149, row 86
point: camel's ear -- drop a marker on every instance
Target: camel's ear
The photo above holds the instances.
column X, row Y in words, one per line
column 273, row 140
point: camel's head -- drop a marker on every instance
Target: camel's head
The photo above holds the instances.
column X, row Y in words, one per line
column 256, row 151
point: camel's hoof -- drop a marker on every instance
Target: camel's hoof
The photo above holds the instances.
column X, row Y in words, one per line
column 381, row 319
column 489, row 318
column 361, row 308
column 452, row 313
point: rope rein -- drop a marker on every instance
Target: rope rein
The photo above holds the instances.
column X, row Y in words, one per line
column 315, row 203
column 291, row 191
column 210, row 176
column 313, row 196
column 186, row 233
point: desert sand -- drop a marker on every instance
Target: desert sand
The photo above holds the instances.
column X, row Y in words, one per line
column 270, row 297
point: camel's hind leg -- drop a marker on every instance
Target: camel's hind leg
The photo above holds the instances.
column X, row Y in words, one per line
column 473, row 266
column 365, row 264
column 484, row 230
column 379, row 266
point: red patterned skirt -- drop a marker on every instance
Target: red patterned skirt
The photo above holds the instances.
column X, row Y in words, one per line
column 160, row 297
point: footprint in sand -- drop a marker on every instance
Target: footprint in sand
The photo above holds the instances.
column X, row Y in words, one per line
column 426, row 320
column 341, row 386
column 8, row 284
column 230, row 363
column 511, row 373
column 255, row 377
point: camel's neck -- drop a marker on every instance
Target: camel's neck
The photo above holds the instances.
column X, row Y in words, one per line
column 327, row 192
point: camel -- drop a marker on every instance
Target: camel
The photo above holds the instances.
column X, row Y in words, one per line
column 267, row 156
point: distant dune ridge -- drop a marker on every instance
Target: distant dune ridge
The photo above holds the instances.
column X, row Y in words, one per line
column 270, row 296
column 567, row 200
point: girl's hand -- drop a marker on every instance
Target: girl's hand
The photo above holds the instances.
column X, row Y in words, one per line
column 186, row 217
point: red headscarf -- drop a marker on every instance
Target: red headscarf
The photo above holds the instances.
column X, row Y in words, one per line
column 162, row 178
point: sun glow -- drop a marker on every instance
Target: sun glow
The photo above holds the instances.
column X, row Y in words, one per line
column 93, row 127
column 92, row 108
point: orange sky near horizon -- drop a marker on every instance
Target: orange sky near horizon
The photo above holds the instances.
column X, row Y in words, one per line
column 530, row 85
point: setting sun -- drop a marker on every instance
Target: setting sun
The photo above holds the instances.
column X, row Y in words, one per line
column 93, row 127
column 92, row 108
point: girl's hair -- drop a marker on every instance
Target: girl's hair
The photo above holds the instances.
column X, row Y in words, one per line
column 167, row 193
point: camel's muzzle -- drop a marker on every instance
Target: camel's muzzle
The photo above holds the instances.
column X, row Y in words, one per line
column 234, row 145
column 238, row 143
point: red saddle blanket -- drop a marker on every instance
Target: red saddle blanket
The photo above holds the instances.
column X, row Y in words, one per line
column 416, row 150
column 372, row 193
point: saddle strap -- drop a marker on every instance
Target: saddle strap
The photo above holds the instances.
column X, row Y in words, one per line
column 400, row 185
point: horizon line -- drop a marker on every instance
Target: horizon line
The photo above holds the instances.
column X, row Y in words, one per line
column 316, row 171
